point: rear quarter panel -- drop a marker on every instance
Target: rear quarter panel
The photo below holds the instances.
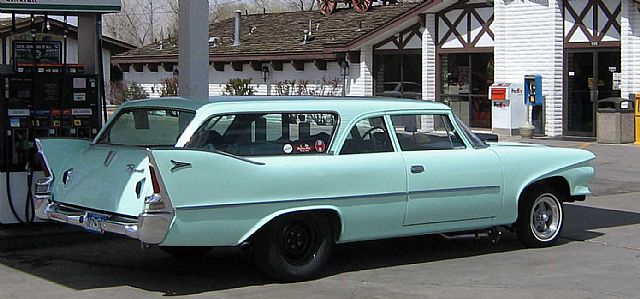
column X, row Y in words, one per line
column 526, row 164
column 220, row 201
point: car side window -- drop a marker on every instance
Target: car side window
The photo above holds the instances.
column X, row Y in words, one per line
column 419, row 132
column 267, row 134
column 368, row 136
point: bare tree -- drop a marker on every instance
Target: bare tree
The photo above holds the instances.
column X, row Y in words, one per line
column 283, row 5
column 140, row 21
column 302, row 5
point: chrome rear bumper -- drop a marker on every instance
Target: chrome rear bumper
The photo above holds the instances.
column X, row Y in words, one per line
column 149, row 228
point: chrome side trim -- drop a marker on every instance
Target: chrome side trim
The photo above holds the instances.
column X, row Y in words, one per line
column 450, row 221
column 478, row 189
column 226, row 205
column 483, row 189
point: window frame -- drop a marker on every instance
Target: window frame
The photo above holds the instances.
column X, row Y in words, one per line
column 448, row 114
column 347, row 130
column 330, row 148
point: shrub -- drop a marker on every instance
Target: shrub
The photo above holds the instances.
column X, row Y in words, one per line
column 238, row 87
column 135, row 92
column 169, row 87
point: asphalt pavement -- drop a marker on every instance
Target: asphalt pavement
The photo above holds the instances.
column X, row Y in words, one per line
column 598, row 256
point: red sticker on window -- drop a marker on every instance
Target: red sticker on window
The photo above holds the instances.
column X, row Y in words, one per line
column 303, row 148
column 320, row 146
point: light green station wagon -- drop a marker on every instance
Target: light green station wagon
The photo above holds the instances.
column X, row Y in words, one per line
column 290, row 177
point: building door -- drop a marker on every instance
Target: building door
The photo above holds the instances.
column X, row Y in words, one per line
column 592, row 75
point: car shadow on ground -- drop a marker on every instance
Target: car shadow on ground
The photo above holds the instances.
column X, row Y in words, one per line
column 85, row 262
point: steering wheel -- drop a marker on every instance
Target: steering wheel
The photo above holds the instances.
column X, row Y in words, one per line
column 371, row 136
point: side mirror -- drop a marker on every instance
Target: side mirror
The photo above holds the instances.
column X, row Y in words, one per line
column 487, row 137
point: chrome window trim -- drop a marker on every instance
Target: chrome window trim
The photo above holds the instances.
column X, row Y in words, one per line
column 447, row 113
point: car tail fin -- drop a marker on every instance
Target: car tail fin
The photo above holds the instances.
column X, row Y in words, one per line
column 43, row 160
column 159, row 200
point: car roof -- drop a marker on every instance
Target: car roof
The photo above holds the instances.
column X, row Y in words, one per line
column 343, row 105
column 173, row 102
column 347, row 107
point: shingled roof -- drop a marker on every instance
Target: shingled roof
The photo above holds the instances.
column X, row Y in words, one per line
column 272, row 35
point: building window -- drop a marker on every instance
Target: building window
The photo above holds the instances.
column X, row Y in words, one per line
column 464, row 86
column 399, row 75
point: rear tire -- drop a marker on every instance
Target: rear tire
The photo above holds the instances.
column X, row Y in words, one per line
column 294, row 247
column 186, row 252
column 540, row 216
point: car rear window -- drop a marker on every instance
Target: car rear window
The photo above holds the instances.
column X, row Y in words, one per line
column 147, row 127
column 260, row 134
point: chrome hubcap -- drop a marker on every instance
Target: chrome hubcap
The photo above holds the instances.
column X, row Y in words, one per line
column 546, row 217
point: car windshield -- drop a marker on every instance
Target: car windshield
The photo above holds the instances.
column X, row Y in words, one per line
column 475, row 141
column 147, row 127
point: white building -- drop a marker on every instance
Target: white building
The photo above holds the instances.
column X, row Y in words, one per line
column 442, row 50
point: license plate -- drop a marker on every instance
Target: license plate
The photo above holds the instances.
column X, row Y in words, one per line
column 92, row 222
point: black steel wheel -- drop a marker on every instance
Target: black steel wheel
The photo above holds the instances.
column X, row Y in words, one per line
column 294, row 247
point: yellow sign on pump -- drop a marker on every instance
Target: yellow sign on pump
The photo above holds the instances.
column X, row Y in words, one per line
column 637, row 109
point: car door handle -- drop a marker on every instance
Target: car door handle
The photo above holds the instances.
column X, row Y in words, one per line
column 415, row 169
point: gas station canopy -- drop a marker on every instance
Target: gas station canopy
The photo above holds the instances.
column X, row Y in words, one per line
column 73, row 6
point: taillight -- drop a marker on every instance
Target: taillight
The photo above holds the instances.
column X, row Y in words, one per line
column 154, row 201
column 154, row 180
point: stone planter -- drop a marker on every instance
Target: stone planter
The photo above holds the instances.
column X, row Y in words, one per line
column 526, row 131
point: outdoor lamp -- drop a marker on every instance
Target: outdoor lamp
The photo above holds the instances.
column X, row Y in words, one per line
column 344, row 71
column 344, row 68
column 265, row 73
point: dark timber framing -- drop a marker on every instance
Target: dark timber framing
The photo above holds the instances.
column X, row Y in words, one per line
column 468, row 45
column 581, row 21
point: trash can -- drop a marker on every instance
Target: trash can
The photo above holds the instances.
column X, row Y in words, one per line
column 615, row 121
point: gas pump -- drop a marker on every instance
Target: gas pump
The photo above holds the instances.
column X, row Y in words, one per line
column 43, row 96
column 38, row 105
column 534, row 99
column 17, row 167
